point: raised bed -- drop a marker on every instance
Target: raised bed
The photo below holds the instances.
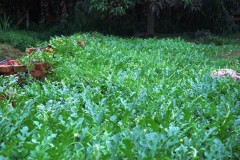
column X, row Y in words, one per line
column 49, row 49
column 11, row 67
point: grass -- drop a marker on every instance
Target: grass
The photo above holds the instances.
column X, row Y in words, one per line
column 14, row 42
column 124, row 98
column 22, row 39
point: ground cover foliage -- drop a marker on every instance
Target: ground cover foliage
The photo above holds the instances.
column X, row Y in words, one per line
column 121, row 98
column 24, row 39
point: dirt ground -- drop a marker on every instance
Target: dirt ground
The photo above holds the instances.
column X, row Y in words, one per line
column 8, row 51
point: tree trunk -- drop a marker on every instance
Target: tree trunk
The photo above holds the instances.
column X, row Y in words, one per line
column 27, row 18
column 44, row 12
column 150, row 24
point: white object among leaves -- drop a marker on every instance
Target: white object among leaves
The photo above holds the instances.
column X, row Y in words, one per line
column 225, row 72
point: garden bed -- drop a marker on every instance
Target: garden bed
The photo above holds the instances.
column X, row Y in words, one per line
column 124, row 98
column 11, row 67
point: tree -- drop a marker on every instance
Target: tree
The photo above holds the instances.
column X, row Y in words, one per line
column 219, row 14
column 112, row 7
column 152, row 7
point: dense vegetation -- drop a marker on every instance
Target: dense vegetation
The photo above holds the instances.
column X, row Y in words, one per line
column 124, row 98
column 123, row 17
column 107, row 97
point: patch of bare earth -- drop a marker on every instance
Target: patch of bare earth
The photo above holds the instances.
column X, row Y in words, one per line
column 231, row 54
column 8, row 51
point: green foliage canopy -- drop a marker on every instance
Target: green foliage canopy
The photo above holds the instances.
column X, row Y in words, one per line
column 113, row 7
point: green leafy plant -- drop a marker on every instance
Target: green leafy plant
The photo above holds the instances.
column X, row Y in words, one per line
column 117, row 98
column 36, row 57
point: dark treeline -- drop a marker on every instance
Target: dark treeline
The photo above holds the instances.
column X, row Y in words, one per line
column 124, row 17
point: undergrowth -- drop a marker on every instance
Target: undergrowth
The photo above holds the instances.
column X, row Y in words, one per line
column 124, row 98
column 22, row 39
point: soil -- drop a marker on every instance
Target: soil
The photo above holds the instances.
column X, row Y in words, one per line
column 231, row 54
column 8, row 51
